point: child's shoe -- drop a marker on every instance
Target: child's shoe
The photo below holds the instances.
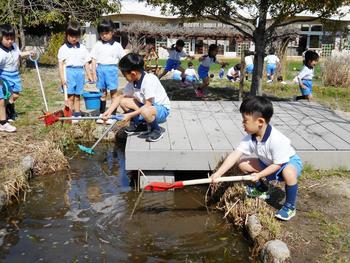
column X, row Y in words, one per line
column 286, row 212
column 7, row 127
column 253, row 191
column 199, row 93
column 269, row 81
column 136, row 128
column 154, row 136
column 100, row 121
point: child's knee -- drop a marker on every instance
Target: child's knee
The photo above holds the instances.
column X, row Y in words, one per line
column 147, row 113
column 290, row 174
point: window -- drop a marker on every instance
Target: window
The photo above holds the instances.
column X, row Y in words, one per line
column 317, row 28
column 304, row 27
column 117, row 24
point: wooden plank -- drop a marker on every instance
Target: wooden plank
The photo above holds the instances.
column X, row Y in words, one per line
column 212, row 129
column 164, row 143
column 179, row 139
column 135, row 143
column 194, row 129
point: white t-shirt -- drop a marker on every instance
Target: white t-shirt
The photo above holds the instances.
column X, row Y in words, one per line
column 107, row 53
column 207, row 61
column 248, row 60
column 9, row 58
column 306, row 73
column 271, row 59
column 190, row 72
column 175, row 55
column 274, row 148
column 231, row 72
column 149, row 87
column 75, row 56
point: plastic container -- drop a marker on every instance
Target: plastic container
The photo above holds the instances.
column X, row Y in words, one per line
column 92, row 100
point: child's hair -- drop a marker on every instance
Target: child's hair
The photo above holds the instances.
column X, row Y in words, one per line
column 212, row 48
column 272, row 51
column 279, row 78
column 7, row 31
column 73, row 29
column 130, row 62
column 105, row 26
column 179, row 43
column 311, row 55
column 248, row 52
column 257, row 106
column 238, row 66
column 190, row 64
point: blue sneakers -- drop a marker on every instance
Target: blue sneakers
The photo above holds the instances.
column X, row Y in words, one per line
column 286, row 212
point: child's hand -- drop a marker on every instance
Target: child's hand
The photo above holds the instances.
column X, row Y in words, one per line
column 127, row 117
column 255, row 177
column 214, row 176
column 106, row 115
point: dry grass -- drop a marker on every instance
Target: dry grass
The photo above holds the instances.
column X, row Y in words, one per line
column 336, row 71
column 13, row 182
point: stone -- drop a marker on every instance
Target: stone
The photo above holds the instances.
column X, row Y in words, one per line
column 100, row 129
column 275, row 251
column 27, row 163
column 253, row 226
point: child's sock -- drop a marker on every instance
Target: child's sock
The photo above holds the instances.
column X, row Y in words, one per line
column 76, row 114
column 102, row 106
column 136, row 120
column 154, row 125
column 10, row 110
column 3, row 122
column 291, row 194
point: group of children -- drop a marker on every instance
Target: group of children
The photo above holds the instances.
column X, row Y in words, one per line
column 145, row 102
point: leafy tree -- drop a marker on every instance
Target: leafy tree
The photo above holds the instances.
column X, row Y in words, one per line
column 252, row 19
column 29, row 13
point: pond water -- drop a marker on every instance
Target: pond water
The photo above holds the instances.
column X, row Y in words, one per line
column 85, row 215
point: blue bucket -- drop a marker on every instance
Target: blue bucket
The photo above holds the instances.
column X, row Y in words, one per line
column 92, row 100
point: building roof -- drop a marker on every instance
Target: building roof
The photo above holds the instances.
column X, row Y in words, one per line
column 142, row 8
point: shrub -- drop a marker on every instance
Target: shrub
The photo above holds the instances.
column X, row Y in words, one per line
column 50, row 54
column 336, row 71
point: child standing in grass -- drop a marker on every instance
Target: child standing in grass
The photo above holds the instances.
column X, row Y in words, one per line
column 176, row 52
column 306, row 74
column 204, row 68
column 249, row 65
column 105, row 58
column 9, row 62
column 276, row 158
column 272, row 61
column 75, row 57
column 222, row 71
column 144, row 98
column 5, row 126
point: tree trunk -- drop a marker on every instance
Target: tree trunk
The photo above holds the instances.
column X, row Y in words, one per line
column 259, row 39
column 21, row 33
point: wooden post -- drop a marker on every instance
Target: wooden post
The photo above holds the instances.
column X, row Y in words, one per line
column 242, row 75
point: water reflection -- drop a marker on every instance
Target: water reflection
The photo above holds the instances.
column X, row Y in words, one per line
column 83, row 215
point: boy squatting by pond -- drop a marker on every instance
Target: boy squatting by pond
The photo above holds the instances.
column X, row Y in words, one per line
column 276, row 160
column 144, row 99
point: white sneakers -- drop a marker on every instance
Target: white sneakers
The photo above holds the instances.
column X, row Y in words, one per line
column 109, row 121
column 7, row 127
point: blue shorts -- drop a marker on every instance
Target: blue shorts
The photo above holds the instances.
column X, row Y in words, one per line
column 107, row 77
column 294, row 160
column 75, row 80
column 190, row 78
column 172, row 64
column 203, row 72
column 308, row 84
column 221, row 73
column 5, row 92
column 162, row 112
column 249, row 69
column 271, row 69
column 13, row 79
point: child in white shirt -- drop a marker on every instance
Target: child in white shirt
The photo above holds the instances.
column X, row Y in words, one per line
column 272, row 61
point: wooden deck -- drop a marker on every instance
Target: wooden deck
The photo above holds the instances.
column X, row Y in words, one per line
column 200, row 133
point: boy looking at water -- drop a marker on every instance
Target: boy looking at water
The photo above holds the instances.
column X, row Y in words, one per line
column 306, row 74
column 144, row 98
column 276, row 158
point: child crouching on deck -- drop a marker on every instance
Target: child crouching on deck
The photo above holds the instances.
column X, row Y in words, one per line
column 276, row 158
column 144, row 98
